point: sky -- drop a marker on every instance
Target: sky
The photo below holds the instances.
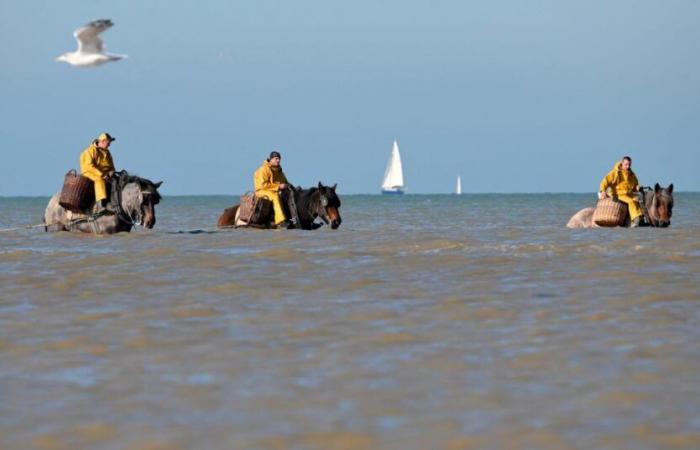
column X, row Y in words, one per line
column 514, row 96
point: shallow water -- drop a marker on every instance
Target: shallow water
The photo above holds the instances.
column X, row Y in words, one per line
column 450, row 322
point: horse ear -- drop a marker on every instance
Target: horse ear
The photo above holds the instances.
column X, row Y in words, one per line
column 320, row 185
column 670, row 188
column 334, row 186
column 157, row 185
column 657, row 187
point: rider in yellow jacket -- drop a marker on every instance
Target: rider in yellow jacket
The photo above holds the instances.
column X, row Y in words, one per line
column 623, row 183
column 96, row 164
column 270, row 181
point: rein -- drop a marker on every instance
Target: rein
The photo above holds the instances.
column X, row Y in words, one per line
column 118, row 185
column 317, row 207
column 310, row 205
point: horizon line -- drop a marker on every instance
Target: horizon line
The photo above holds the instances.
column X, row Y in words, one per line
column 379, row 194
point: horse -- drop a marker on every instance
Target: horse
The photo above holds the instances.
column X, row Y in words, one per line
column 658, row 208
column 133, row 201
column 316, row 202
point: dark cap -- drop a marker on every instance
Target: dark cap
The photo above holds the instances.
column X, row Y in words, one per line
column 105, row 137
column 275, row 155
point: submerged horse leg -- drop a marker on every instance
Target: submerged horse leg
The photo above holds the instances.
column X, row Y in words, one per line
column 582, row 219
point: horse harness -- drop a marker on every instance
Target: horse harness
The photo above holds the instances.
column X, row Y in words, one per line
column 117, row 183
column 317, row 208
column 121, row 182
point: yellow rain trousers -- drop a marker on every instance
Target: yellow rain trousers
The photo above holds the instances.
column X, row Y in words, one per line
column 622, row 184
column 96, row 162
column 267, row 181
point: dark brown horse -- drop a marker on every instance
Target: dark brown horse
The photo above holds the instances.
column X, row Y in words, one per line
column 320, row 202
column 658, row 206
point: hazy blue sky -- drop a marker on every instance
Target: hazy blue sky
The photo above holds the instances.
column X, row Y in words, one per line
column 516, row 96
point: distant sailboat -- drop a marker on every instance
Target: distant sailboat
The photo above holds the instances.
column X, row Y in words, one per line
column 393, row 176
column 458, row 189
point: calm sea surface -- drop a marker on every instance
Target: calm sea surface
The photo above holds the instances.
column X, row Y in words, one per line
column 472, row 322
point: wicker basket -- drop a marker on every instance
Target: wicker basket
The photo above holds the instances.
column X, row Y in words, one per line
column 610, row 213
column 78, row 192
column 254, row 210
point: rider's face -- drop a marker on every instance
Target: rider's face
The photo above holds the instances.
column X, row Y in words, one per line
column 104, row 143
column 626, row 164
column 275, row 161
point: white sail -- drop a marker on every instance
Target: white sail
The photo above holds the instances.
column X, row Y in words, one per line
column 458, row 190
column 393, row 176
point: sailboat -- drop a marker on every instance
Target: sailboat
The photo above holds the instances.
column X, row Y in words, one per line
column 393, row 176
column 458, row 189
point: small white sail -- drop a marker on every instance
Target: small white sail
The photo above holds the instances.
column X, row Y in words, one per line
column 393, row 176
column 458, row 190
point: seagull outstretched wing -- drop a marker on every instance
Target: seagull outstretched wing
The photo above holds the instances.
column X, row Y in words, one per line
column 88, row 36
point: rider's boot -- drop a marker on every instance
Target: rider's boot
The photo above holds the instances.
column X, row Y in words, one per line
column 100, row 207
column 285, row 225
column 637, row 222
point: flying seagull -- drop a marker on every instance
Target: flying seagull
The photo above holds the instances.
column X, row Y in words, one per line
column 90, row 47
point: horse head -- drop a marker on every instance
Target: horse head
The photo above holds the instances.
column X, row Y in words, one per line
column 329, row 203
column 660, row 206
column 138, row 199
column 150, row 197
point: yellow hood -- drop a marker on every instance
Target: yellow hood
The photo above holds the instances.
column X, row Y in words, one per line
column 619, row 181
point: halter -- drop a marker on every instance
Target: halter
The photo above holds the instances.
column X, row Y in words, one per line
column 122, row 215
column 321, row 206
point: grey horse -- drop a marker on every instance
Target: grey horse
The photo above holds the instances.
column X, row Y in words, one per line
column 133, row 203
column 658, row 205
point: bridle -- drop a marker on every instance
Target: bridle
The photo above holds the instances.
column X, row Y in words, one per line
column 320, row 207
column 122, row 180
column 122, row 215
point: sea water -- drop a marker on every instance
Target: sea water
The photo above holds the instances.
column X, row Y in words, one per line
column 456, row 322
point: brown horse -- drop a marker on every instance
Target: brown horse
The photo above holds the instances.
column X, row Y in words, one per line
column 318, row 202
column 658, row 206
column 133, row 201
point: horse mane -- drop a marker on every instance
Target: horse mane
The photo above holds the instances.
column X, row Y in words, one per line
column 124, row 178
column 305, row 199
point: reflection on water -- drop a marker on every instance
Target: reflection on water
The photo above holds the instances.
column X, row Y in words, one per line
column 424, row 322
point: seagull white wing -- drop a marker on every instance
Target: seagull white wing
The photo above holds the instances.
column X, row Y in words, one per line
column 88, row 36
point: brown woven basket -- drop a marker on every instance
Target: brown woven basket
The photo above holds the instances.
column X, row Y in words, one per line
column 78, row 192
column 610, row 213
column 245, row 211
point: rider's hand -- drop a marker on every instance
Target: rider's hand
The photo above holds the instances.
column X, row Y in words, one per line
column 283, row 186
column 602, row 195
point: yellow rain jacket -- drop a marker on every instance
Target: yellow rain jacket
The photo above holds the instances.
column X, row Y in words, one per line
column 96, row 162
column 267, row 181
column 622, row 184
